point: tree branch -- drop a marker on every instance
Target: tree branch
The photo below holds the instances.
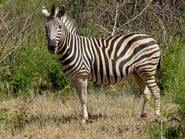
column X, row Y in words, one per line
column 103, row 28
column 5, row 3
column 136, row 15
column 115, row 20
column 19, row 44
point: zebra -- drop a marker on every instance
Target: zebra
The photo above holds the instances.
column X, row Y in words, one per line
column 105, row 61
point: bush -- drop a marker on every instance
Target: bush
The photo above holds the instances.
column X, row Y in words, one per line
column 173, row 73
column 172, row 80
column 32, row 68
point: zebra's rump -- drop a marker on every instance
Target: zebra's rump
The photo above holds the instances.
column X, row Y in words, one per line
column 116, row 57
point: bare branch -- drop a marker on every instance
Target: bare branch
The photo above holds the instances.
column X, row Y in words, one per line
column 136, row 15
column 163, row 27
column 103, row 28
column 25, row 23
column 115, row 21
column 19, row 44
column 5, row 3
column 3, row 68
column 5, row 25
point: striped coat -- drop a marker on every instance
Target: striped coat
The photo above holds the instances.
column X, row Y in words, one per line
column 109, row 60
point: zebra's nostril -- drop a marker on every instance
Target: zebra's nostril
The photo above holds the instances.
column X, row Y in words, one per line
column 52, row 46
column 51, row 49
column 52, row 43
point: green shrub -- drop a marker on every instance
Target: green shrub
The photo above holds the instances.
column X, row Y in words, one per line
column 173, row 73
column 170, row 62
column 55, row 76
column 172, row 80
column 33, row 68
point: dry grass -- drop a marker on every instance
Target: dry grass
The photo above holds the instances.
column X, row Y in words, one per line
column 114, row 116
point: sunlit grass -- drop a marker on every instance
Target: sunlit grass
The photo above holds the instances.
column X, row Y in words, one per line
column 112, row 115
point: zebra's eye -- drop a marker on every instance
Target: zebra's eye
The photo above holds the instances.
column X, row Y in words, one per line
column 60, row 26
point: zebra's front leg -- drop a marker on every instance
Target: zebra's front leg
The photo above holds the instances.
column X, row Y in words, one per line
column 81, row 88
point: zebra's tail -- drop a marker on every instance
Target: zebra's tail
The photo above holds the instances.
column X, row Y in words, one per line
column 159, row 64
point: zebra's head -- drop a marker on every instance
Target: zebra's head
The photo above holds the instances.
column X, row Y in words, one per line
column 54, row 27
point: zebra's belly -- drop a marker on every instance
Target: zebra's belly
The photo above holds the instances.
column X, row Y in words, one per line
column 105, row 81
column 112, row 75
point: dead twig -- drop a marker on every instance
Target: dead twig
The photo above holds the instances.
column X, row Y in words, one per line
column 3, row 68
column 172, row 119
column 163, row 28
column 19, row 44
column 102, row 28
column 5, row 25
column 115, row 21
column 5, row 3
column 5, row 41
column 25, row 24
column 136, row 15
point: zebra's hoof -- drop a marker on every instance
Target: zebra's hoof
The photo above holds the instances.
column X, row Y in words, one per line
column 157, row 118
column 143, row 115
column 83, row 121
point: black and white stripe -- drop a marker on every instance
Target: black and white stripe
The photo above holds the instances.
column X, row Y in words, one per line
column 69, row 23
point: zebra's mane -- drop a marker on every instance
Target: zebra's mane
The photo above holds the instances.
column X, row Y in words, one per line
column 69, row 23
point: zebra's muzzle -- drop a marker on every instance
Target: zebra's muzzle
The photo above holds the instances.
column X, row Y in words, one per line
column 52, row 46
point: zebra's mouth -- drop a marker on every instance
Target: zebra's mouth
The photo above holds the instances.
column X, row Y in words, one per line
column 52, row 49
column 52, row 46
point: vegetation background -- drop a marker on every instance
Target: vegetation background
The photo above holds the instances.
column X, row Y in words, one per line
column 34, row 93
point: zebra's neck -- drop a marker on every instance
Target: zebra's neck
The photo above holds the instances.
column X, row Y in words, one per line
column 77, row 54
column 70, row 53
column 69, row 23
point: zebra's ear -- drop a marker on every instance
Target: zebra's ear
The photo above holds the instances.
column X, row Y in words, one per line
column 53, row 10
column 45, row 11
column 61, row 11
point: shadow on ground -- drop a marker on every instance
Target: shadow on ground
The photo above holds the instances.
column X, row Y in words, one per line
column 20, row 121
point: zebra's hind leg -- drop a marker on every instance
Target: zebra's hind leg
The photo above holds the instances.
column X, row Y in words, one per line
column 146, row 96
column 81, row 88
column 145, row 91
column 149, row 79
